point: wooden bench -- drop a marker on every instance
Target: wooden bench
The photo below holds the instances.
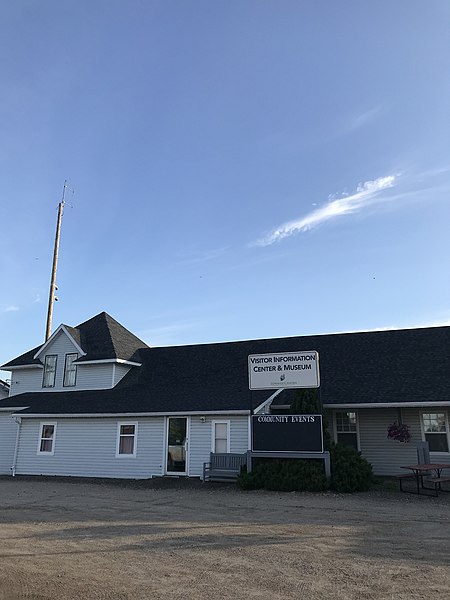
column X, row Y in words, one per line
column 437, row 481
column 223, row 466
column 404, row 476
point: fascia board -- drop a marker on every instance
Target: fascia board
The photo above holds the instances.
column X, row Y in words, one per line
column 136, row 415
column 103, row 361
column 32, row 366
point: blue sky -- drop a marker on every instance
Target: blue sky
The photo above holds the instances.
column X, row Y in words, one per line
column 242, row 169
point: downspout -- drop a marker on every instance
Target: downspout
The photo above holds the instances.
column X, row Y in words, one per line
column 18, row 420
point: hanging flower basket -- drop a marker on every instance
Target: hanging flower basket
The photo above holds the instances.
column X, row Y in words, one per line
column 399, row 432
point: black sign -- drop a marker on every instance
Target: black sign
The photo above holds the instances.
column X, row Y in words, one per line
column 287, row 433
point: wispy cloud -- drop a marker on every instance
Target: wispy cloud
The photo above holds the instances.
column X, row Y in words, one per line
column 433, row 172
column 11, row 308
column 205, row 256
column 364, row 195
column 360, row 120
column 166, row 335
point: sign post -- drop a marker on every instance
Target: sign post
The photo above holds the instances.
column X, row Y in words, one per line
column 288, row 436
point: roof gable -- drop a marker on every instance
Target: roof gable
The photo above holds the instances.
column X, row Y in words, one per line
column 64, row 330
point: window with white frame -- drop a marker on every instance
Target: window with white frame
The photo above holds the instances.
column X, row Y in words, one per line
column 435, row 431
column 126, row 439
column 346, row 428
column 47, row 433
column 220, row 436
column 50, row 371
column 70, row 370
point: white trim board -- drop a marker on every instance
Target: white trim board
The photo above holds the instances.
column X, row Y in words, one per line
column 134, row 415
column 101, row 361
column 32, row 366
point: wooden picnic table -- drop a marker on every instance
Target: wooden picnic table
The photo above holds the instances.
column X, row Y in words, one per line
column 423, row 469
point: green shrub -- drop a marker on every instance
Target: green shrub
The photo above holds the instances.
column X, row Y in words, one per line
column 305, row 402
column 350, row 472
column 286, row 475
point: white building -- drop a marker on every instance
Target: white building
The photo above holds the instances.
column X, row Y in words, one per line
column 95, row 401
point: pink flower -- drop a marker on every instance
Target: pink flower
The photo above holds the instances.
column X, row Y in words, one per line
column 399, row 432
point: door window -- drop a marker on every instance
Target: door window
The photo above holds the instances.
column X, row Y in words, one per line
column 176, row 444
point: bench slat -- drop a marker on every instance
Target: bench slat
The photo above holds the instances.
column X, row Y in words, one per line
column 223, row 466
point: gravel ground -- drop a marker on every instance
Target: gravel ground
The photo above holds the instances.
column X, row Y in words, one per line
column 181, row 539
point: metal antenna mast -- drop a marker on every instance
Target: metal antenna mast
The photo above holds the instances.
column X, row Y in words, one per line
column 53, row 288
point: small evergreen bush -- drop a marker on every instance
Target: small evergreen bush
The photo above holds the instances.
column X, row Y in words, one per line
column 305, row 402
column 350, row 472
column 286, row 475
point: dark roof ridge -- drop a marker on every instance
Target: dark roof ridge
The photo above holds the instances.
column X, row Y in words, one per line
column 105, row 337
column 307, row 335
column 95, row 317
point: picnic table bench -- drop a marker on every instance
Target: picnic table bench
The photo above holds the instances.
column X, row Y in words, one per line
column 431, row 471
column 223, row 466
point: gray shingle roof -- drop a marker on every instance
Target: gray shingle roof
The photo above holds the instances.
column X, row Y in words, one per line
column 411, row 365
column 101, row 337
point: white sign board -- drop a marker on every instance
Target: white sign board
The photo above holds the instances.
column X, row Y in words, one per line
column 284, row 370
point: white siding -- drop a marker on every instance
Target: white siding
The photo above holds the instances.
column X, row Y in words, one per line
column 119, row 372
column 8, row 430
column 89, row 377
column 87, row 448
column 388, row 456
column 26, row 380
column 201, row 436
column 94, row 377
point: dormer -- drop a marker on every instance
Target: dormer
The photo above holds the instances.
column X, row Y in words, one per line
column 94, row 355
column 59, row 357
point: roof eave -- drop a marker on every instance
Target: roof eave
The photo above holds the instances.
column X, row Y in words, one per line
column 423, row 404
column 133, row 414
column 15, row 367
column 120, row 361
